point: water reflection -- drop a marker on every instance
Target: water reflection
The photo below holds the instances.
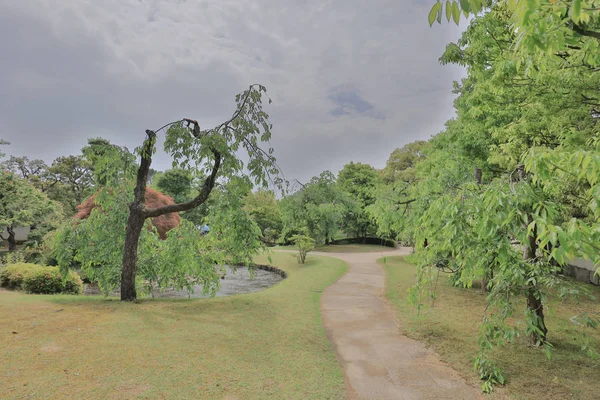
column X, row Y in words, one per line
column 236, row 281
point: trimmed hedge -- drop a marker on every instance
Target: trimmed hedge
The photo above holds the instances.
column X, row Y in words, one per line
column 34, row 278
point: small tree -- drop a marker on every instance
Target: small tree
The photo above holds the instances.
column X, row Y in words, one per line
column 21, row 204
column 215, row 152
column 304, row 244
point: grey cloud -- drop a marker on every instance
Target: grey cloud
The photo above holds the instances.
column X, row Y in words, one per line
column 350, row 80
column 348, row 101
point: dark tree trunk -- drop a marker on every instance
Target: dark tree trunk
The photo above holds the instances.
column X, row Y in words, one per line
column 534, row 300
column 534, row 304
column 135, row 223
column 12, row 241
column 138, row 211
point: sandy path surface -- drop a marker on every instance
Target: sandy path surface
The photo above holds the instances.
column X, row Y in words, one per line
column 379, row 361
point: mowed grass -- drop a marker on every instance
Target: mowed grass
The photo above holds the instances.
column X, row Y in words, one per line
column 451, row 328
column 270, row 344
column 344, row 248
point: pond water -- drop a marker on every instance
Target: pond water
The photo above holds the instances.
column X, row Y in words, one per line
column 236, row 281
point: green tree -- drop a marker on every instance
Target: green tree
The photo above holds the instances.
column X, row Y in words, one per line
column 183, row 257
column 108, row 161
column 177, row 183
column 69, row 180
column 359, row 182
column 22, row 205
column 400, row 164
column 527, row 126
column 25, row 168
column 263, row 209
column 544, row 28
column 317, row 208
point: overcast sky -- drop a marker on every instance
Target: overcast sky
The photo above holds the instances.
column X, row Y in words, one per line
column 350, row 79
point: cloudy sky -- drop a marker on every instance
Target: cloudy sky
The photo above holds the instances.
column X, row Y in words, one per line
column 350, row 79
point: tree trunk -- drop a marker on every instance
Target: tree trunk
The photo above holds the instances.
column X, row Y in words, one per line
column 135, row 223
column 12, row 242
column 534, row 301
column 534, row 304
column 138, row 211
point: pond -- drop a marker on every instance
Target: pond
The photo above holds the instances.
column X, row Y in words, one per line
column 236, row 281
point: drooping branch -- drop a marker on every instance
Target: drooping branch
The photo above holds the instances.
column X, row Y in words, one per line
column 207, row 187
column 240, row 108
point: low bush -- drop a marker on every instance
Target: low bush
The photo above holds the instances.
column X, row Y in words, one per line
column 12, row 275
column 38, row 279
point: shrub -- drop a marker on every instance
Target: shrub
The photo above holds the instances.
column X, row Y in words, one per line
column 304, row 244
column 37, row 279
column 12, row 275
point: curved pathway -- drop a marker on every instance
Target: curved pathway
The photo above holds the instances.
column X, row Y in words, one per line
column 379, row 361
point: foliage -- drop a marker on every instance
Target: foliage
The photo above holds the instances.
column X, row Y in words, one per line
column 304, row 244
column 49, row 280
column 176, row 183
column 185, row 259
column 317, row 208
column 400, row 165
column 451, row 328
column 3, row 143
column 24, row 167
column 13, row 274
column 180, row 185
column 21, row 204
column 358, row 181
column 69, row 181
column 263, row 208
column 508, row 192
column 131, row 254
column 109, row 162
column 34, row 278
column 544, row 28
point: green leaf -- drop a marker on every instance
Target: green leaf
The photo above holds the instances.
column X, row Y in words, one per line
column 448, row 10
column 433, row 13
column 576, row 11
column 455, row 12
column 465, row 5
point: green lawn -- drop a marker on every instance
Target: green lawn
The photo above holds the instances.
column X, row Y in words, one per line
column 270, row 344
column 344, row 248
column 451, row 328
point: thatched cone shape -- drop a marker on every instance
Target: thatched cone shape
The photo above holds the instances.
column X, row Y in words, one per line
column 154, row 199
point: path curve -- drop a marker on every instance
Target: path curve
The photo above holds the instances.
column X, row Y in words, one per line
column 379, row 361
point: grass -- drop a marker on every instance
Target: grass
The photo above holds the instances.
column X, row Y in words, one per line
column 344, row 248
column 270, row 344
column 451, row 328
